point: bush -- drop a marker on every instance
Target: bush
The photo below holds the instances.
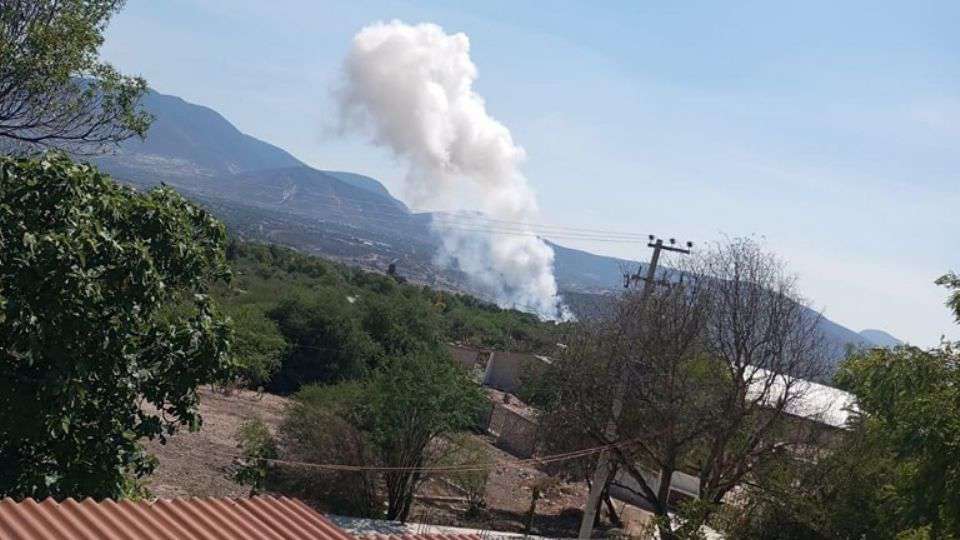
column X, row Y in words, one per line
column 258, row 346
column 463, row 450
column 327, row 343
column 257, row 446
column 316, row 429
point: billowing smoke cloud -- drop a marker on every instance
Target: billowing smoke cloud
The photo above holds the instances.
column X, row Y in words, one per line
column 413, row 87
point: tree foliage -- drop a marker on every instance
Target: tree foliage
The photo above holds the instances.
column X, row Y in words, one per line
column 910, row 401
column 326, row 340
column 952, row 282
column 91, row 358
column 258, row 447
column 337, row 323
column 892, row 474
column 395, row 418
column 54, row 90
column 258, row 346
column 698, row 375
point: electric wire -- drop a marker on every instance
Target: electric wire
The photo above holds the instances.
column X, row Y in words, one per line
column 555, row 458
column 476, row 223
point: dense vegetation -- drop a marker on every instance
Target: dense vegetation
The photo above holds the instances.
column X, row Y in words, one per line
column 400, row 416
column 92, row 357
column 894, row 473
column 300, row 319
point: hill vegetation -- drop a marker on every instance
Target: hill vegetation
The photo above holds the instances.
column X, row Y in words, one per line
column 300, row 319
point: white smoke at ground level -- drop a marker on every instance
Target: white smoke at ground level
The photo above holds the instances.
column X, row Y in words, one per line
column 411, row 86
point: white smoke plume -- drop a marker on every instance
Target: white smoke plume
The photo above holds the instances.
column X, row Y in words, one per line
column 412, row 87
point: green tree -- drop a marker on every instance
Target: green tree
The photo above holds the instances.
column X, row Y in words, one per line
column 91, row 358
column 54, row 90
column 258, row 447
column 466, row 451
column 321, row 427
column 327, row 343
column 892, row 474
column 413, row 401
column 400, row 323
column 258, row 346
column 952, row 282
column 846, row 492
column 910, row 402
column 403, row 410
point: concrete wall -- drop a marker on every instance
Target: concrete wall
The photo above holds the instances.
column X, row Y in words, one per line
column 469, row 357
column 514, row 432
column 506, row 370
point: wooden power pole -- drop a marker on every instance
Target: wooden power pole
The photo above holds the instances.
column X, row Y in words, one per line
column 601, row 475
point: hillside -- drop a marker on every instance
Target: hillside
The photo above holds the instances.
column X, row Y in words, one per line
column 880, row 338
column 264, row 193
column 192, row 140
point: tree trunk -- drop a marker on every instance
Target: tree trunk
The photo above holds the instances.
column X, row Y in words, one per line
column 532, row 512
column 397, row 484
column 614, row 517
column 411, row 488
column 663, row 502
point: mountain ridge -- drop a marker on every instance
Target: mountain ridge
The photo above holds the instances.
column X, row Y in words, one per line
column 264, row 192
column 880, row 338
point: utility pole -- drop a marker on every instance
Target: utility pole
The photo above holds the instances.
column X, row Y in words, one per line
column 604, row 465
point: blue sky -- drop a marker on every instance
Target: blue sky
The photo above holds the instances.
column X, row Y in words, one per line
column 830, row 129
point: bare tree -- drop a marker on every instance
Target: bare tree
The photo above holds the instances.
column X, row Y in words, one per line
column 54, row 90
column 712, row 365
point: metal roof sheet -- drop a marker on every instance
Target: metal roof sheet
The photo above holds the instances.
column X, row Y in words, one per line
column 254, row 518
column 420, row 537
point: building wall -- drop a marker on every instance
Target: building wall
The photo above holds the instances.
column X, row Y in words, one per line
column 514, row 432
column 506, row 371
column 469, row 357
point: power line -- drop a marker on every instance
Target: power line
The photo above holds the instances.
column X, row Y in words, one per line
column 539, row 226
column 478, row 224
column 555, row 458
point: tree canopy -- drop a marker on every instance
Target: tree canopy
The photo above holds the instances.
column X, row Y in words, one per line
column 93, row 355
column 54, row 89
column 398, row 413
column 300, row 319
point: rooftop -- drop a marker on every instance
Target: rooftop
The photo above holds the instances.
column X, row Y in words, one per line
column 253, row 518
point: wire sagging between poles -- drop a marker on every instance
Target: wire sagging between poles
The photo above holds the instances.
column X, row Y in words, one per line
column 566, row 456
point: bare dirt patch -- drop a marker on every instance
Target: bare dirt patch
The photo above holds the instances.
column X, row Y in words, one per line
column 508, row 497
column 198, row 464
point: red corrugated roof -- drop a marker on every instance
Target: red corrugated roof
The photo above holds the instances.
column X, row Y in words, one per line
column 420, row 537
column 254, row 518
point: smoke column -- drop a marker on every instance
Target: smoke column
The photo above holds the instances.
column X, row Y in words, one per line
column 412, row 88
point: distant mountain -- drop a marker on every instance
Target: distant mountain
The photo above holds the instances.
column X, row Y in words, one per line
column 198, row 151
column 585, row 271
column 360, row 181
column 307, row 192
column 262, row 192
column 195, row 140
column 879, row 338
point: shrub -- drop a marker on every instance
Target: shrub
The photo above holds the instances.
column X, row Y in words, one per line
column 257, row 446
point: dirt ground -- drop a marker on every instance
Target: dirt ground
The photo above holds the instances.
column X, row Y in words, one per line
column 198, row 464
column 508, row 497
